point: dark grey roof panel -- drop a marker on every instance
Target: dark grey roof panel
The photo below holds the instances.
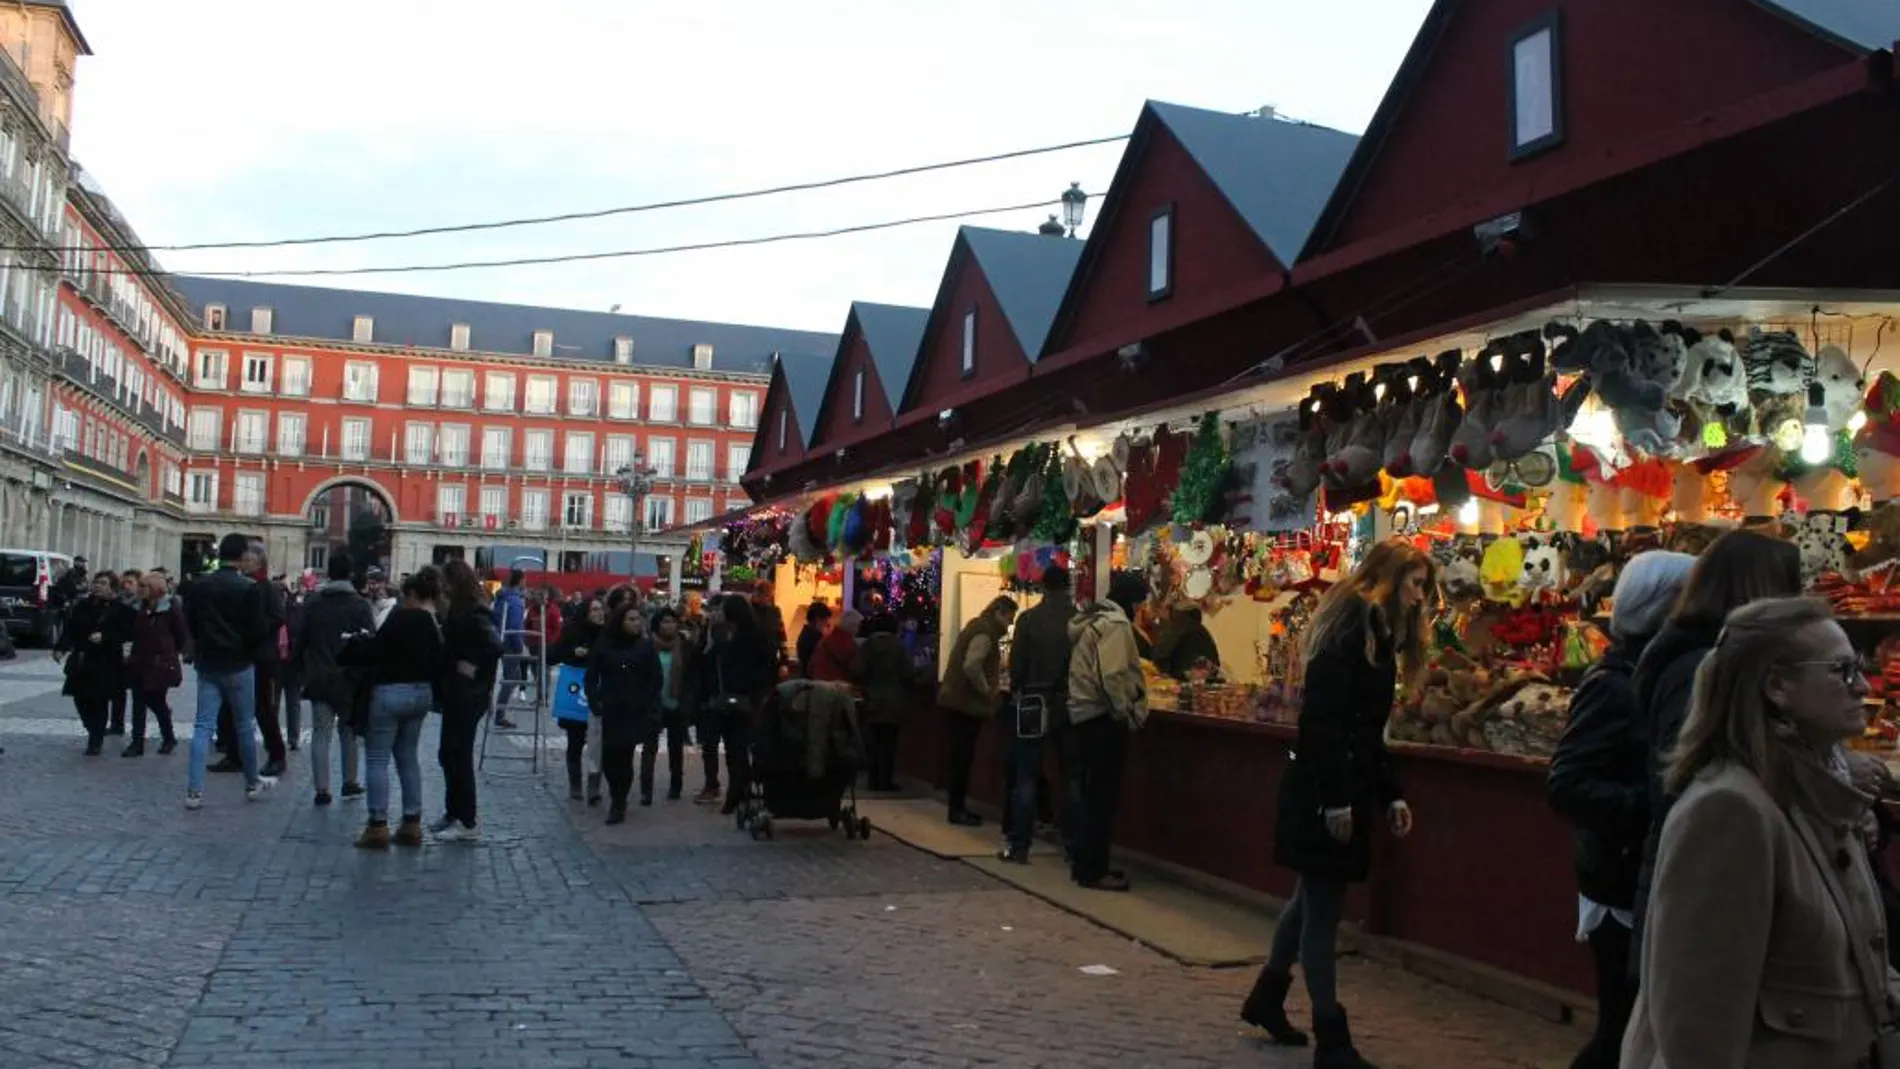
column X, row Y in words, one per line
column 805, row 377
column 1866, row 25
column 1028, row 273
column 1276, row 174
column 316, row 312
column 894, row 334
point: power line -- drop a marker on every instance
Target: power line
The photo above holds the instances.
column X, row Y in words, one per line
column 528, row 261
column 632, row 209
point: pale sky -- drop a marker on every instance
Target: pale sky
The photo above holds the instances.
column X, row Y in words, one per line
column 222, row 120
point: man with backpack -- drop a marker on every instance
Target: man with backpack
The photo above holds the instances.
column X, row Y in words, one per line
column 330, row 615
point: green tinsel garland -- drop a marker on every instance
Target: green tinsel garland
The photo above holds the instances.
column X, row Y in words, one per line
column 1056, row 524
column 1842, row 461
column 1202, row 475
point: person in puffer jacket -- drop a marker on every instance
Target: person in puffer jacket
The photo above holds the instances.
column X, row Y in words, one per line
column 1108, row 701
column 330, row 615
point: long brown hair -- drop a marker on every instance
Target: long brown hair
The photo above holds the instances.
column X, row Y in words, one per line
column 1730, row 720
column 1372, row 592
column 1737, row 568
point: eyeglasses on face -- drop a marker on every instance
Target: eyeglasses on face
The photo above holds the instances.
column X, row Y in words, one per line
column 1846, row 669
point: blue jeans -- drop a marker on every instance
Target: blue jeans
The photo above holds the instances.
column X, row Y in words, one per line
column 238, row 690
column 396, row 712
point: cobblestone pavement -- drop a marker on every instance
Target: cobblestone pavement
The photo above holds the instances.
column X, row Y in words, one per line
column 133, row 933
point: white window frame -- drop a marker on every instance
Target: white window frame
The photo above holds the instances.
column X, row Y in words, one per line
column 425, row 385
column 451, row 502
column 702, row 357
column 418, row 442
column 659, row 512
column 670, row 411
column 742, row 409
column 295, row 385
column 577, row 456
column 738, row 457
column 217, row 317
column 201, row 479
column 452, row 444
column 583, row 397
column 261, row 320
column 247, row 493
column 490, row 401
column 360, row 381
column 617, row 453
column 534, row 508
column 291, row 444
column 344, row 448
column 616, row 513
column 697, row 510
column 363, row 330
column 258, row 420
column 552, row 384
column 585, row 499
column 497, row 459
column 544, row 343
column 463, row 398
column 257, row 373
column 219, row 363
column 195, row 438
column 494, row 502
column 707, row 470
column 629, row 391
column 623, row 350
column 458, row 337
column 534, row 459
column 658, row 450
column 702, row 406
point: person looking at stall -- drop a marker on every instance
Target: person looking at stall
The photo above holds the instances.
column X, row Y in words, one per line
column 1367, row 636
column 1599, row 782
column 1186, row 644
column 882, row 667
column 1737, row 568
column 741, row 668
column 968, row 697
column 817, row 625
column 1108, row 702
column 1764, row 944
column 1038, row 675
column 571, row 650
column 831, row 661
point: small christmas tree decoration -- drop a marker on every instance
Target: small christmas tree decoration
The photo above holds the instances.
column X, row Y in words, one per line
column 1203, row 476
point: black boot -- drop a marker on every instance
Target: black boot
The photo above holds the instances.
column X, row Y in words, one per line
column 1265, row 1008
column 1333, row 1048
column 574, row 781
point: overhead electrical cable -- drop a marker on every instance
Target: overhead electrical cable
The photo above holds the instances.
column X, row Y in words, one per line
column 603, row 213
column 578, row 257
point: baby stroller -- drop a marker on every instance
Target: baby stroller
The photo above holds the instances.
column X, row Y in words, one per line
column 805, row 761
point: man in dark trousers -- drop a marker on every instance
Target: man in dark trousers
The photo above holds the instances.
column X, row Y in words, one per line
column 225, row 611
column 1108, row 702
column 1038, row 673
column 266, row 657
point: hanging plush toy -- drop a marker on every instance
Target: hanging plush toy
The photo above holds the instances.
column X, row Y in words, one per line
column 1822, row 539
column 1715, row 388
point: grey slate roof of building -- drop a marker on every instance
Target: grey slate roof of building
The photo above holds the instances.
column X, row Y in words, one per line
column 1028, row 273
column 400, row 319
column 1276, row 174
column 894, row 334
column 1867, row 25
column 805, row 376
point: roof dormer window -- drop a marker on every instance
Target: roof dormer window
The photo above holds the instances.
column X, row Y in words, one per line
column 363, row 329
column 544, row 343
column 458, row 337
column 1536, row 92
column 260, row 320
column 214, row 317
column 702, row 357
column 623, row 350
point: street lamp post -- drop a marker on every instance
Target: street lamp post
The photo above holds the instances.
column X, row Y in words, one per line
column 636, row 481
column 1074, row 202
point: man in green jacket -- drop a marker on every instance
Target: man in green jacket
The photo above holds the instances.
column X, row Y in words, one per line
column 971, row 690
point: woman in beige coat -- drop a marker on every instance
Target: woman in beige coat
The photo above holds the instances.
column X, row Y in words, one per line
column 1766, row 946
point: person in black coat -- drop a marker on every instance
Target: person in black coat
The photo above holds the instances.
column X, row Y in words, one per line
column 472, row 649
column 623, row 689
column 1599, row 782
column 1340, row 782
column 93, row 648
column 740, row 669
column 1737, row 568
column 578, row 638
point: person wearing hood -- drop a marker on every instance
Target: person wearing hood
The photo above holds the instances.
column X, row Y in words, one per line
column 510, row 614
column 332, row 614
column 1108, row 702
column 572, row 649
column 1737, row 568
column 830, row 661
column 160, row 639
column 624, row 684
column 1599, row 782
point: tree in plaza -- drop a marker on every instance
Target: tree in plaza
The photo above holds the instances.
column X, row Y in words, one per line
column 369, row 536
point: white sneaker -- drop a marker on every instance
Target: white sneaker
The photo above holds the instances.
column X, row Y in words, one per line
column 256, row 790
column 194, row 800
column 458, row 832
column 441, row 824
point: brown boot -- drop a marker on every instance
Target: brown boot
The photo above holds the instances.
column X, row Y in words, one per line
column 375, row 836
column 409, row 832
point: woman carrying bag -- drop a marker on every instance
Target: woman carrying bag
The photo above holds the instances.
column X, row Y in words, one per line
column 159, row 641
column 93, row 644
column 570, row 652
column 1367, row 634
column 623, row 686
column 741, row 669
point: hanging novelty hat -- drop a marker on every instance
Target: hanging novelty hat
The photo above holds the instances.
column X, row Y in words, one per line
column 1882, row 432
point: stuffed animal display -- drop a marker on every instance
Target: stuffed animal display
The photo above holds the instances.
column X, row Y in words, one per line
column 1822, row 539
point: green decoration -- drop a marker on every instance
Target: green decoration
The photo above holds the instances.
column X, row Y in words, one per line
column 1056, row 524
column 1202, row 475
column 834, row 523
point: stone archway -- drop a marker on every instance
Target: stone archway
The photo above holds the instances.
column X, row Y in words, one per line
column 353, row 513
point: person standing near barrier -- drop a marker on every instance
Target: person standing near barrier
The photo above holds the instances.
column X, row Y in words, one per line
column 511, row 621
column 330, row 616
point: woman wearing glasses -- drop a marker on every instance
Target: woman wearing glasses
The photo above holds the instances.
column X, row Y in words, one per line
column 1765, row 943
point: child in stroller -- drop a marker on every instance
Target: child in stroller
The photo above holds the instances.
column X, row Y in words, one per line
column 805, row 759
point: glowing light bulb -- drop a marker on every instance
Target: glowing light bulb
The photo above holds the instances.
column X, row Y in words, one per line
column 1856, row 422
column 1468, row 512
column 1816, row 443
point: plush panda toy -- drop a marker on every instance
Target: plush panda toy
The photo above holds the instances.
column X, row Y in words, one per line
column 1715, row 387
column 1544, row 566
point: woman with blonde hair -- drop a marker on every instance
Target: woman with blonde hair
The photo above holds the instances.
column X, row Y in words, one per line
column 1367, row 635
column 1765, row 940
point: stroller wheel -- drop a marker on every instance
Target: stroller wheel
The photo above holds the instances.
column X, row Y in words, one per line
column 742, row 817
column 765, row 827
column 864, row 827
column 837, row 820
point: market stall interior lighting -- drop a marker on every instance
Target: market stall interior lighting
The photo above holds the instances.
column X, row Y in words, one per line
column 1816, row 443
column 1468, row 512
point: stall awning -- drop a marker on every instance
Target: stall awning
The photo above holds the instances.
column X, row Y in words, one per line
column 792, row 503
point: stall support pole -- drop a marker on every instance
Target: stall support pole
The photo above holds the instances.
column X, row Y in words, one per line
column 1104, row 554
column 848, row 585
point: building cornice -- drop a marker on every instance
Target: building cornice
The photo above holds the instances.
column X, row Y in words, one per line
column 237, row 340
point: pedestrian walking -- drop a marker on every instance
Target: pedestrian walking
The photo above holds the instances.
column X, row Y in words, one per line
column 968, row 697
column 472, row 649
column 511, row 621
column 1367, row 636
column 882, row 668
column 267, row 661
column 624, row 682
column 741, row 668
column 678, row 697
column 1765, row 945
column 1599, row 782
column 330, row 616
column 1737, row 568
column 405, row 658
column 93, row 645
column 160, row 641
column 376, row 588
column 297, row 596
column 1039, row 708
column 131, row 594
column 571, row 650
column 1108, row 702
column 225, row 611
